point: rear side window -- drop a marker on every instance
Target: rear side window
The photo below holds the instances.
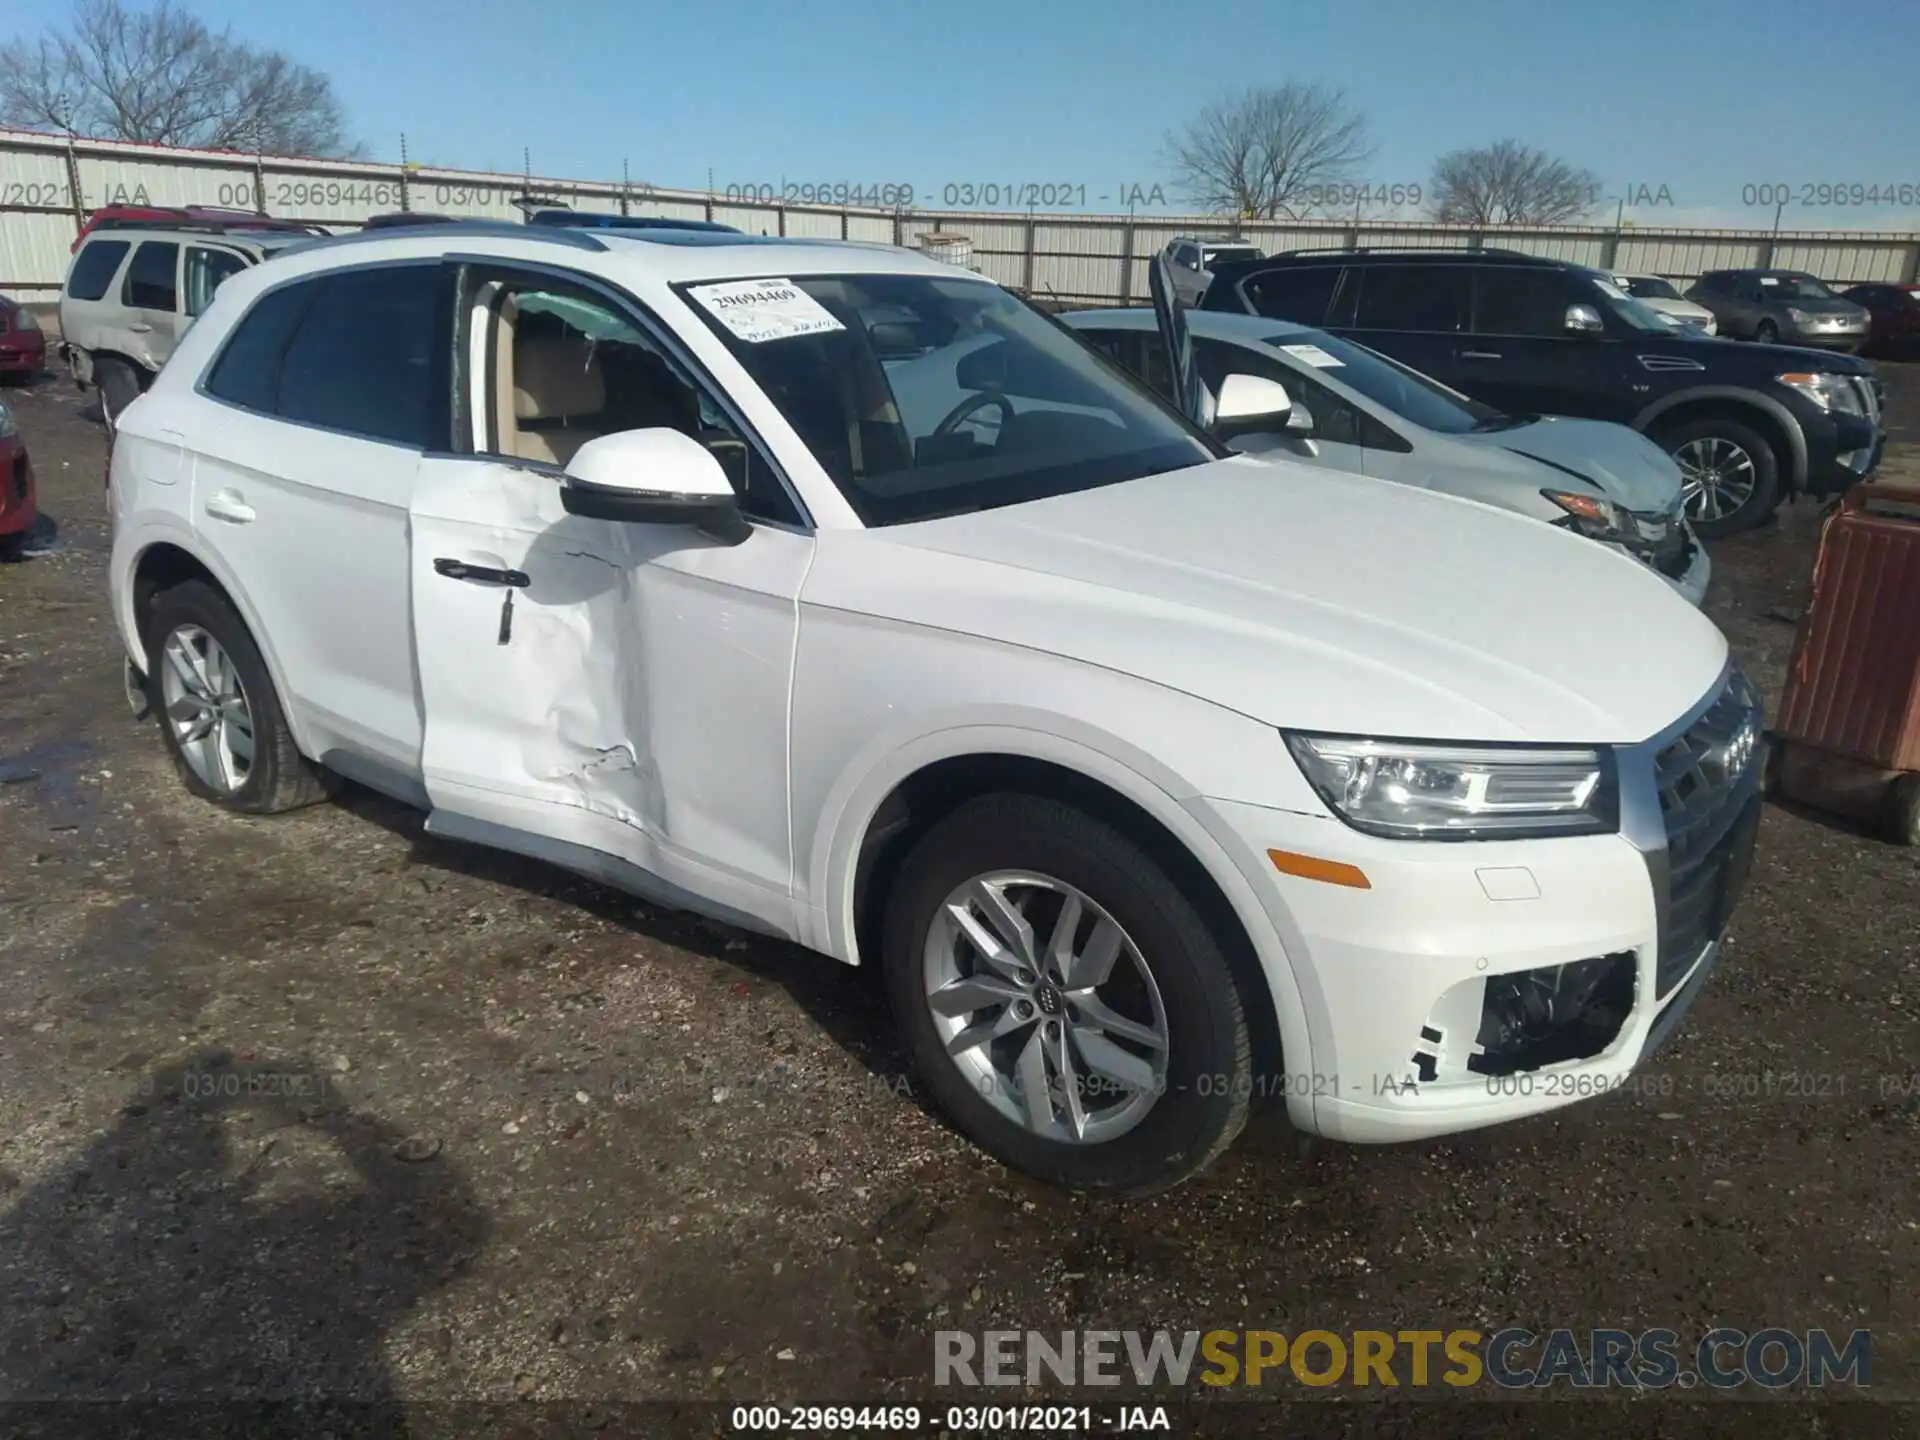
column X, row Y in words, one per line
column 151, row 282
column 248, row 370
column 205, row 270
column 1413, row 297
column 363, row 358
column 94, row 269
column 1520, row 302
column 1300, row 295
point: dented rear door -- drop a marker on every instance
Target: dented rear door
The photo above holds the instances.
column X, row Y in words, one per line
column 615, row 687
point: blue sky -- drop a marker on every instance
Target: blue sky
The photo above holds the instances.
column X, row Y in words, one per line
column 1703, row 97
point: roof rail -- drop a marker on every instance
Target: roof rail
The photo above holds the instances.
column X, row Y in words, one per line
column 479, row 229
column 1410, row 250
column 203, row 226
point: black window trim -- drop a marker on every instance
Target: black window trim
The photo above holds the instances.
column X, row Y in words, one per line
column 656, row 330
column 442, row 380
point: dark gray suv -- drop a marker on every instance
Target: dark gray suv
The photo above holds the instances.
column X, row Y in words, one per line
column 1781, row 307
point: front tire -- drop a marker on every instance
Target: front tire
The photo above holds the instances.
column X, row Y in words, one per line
column 222, row 719
column 1729, row 473
column 1063, row 1000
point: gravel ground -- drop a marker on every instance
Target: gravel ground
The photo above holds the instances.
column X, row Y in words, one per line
column 321, row 1105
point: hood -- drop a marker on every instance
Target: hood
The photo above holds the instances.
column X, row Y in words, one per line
column 1835, row 306
column 1628, row 468
column 1307, row 599
column 1676, row 307
column 1723, row 359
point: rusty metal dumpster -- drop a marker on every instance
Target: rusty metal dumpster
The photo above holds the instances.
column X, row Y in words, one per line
column 1848, row 738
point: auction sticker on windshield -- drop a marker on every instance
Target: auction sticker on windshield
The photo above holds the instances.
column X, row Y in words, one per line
column 1313, row 355
column 760, row 310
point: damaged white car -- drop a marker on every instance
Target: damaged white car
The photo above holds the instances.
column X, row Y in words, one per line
column 1160, row 782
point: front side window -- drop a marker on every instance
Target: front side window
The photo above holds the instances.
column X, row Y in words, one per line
column 205, row 270
column 94, row 270
column 1520, row 302
column 150, row 282
column 922, row 395
column 363, row 359
column 1413, row 297
column 567, row 366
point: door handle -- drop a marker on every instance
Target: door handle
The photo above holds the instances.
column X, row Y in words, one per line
column 481, row 574
column 140, row 327
column 1479, row 354
column 227, row 505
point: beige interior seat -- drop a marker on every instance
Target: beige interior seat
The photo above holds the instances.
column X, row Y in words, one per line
column 551, row 393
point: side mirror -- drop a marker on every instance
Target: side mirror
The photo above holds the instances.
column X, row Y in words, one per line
column 1300, row 421
column 653, row 477
column 1250, row 403
column 1584, row 320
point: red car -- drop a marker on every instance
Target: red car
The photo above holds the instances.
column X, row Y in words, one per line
column 1896, row 317
column 23, row 349
column 18, row 507
column 174, row 217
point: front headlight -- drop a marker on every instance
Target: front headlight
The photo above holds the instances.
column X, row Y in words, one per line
column 8, row 429
column 1414, row 790
column 1829, row 392
column 1592, row 515
column 1799, row 317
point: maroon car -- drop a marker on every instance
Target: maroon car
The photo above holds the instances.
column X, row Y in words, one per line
column 18, row 504
column 1896, row 317
column 23, row 349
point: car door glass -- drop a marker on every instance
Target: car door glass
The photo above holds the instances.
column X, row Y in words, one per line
column 150, row 282
column 1512, row 301
column 635, row 384
column 1335, row 419
column 363, row 360
column 1432, row 298
column 1299, row 295
column 205, row 270
column 93, row 272
column 247, row 370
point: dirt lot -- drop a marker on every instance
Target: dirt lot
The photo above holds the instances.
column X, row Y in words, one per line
column 506, row 1136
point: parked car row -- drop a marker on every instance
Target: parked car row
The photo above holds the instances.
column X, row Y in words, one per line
column 1749, row 425
column 840, row 594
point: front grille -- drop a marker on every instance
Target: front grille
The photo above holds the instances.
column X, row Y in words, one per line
column 1709, row 799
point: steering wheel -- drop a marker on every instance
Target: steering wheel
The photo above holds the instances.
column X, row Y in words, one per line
column 979, row 400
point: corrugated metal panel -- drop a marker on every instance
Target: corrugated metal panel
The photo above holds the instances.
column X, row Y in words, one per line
column 666, row 209
column 1576, row 249
column 752, row 219
column 814, row 224
column 1060, row 238
column 34, row 253
column 874, row 229
column 1079, row 277
column 1852, row 264
column 1009, row 270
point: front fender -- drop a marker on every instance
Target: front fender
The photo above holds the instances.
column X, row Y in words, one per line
column 1796, row 474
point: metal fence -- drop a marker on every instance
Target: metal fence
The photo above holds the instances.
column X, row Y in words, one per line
column 49, row 183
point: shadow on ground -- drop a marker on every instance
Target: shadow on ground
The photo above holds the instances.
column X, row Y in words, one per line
column 239, row 1234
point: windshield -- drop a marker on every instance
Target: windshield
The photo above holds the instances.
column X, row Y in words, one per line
column 1794, row 287
column 924, row 396
column 1231, row 252
column 1407, row 393
column 1649, row 287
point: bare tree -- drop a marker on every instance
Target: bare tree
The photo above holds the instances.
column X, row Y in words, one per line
column 1508, row 183
column 160, row 75
column 1269, row 152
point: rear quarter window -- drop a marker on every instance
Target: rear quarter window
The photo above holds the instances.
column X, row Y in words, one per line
column 247, row 370
column 94, row 269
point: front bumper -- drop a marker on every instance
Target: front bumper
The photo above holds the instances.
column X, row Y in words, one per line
column 1685, row 566
column 1845, row 340
column 1842, row 449
column 1401, row 981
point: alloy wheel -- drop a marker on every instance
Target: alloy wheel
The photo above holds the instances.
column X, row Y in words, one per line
column 1046, row 1006
column 1718, row 477
column 206, row 707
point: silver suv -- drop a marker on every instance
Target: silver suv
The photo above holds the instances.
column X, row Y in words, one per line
column 1190, row 259
column 131, row 294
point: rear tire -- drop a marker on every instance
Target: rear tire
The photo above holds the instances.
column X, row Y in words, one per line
column 1169, row 995
column 119, row 387
column 1731, row 477
column 222, row 719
